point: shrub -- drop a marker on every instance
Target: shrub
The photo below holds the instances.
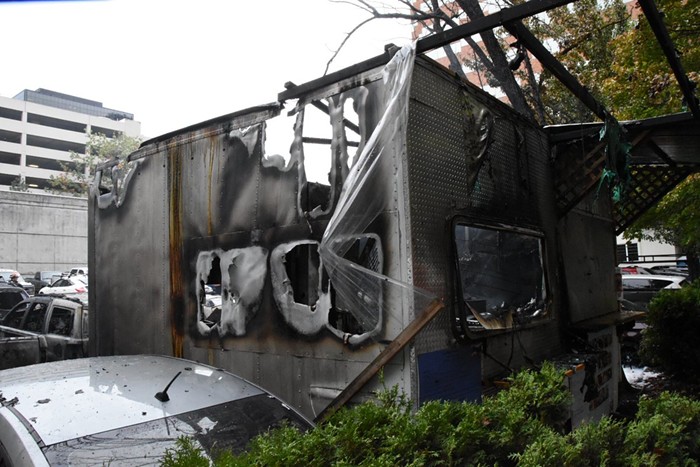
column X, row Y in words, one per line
column 385, row 432
column 186, row 453
column 672, row 340
column 519, row 426
column 665, row 431
column 590, row 445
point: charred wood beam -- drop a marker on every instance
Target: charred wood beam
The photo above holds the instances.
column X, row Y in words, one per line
column 432, row 42
column 657, row 25
column 536, row 48
column 312, row 140
column 570, row 132
column 384, row 357
column 661, row 154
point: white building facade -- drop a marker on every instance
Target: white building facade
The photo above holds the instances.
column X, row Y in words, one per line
column 39, row 129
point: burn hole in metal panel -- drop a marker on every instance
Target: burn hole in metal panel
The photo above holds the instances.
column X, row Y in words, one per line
column 302, row 264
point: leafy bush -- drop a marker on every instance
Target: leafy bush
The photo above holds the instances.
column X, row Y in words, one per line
column 519, row 426
column 385, row 432
column 591, row 444
column 672, row 340
column 666, row 431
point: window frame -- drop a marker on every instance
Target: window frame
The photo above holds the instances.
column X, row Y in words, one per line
column 462, row 331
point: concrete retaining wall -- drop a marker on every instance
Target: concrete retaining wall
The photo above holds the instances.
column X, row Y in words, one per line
column 42, row 232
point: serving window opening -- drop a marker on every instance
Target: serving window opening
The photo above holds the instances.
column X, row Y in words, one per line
column 500, row 277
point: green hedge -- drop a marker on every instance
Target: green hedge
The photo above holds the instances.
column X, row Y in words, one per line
column 672, row 340
column 519, row 426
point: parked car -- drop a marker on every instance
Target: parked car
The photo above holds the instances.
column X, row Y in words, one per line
column 641, row 288
column 9, row 297
column 48, row 276
column 43, row 329
column 127, row 410
column 79, row 271
column 43, row 279
column 669, row 271
column 6, row 275
column 211, row 313
column 212, row 303
column 72, row 286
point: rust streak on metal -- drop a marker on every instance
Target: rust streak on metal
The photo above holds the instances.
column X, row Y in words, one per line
column 213, row 149
column 176, row 292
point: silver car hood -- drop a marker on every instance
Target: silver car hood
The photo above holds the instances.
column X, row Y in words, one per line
column 73, row 398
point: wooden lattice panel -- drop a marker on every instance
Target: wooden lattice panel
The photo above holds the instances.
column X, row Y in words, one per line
column 648, row 184
column 576, row 173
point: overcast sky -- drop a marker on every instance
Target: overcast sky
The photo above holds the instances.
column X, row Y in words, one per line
column 175, row 63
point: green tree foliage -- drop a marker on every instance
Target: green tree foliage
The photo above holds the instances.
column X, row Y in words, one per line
column 582, row 46
column 616, row 57
column 642, row 85
column 78, row 174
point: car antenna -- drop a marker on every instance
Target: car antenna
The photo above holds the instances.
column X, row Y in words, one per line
column 163, row 396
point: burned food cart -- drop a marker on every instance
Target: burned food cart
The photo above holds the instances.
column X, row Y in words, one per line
column 395, row 221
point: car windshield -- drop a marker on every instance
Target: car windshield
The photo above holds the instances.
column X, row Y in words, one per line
column 10, row 297
column 225, row 426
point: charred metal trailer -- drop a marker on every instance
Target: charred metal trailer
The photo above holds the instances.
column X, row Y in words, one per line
column 430, row 252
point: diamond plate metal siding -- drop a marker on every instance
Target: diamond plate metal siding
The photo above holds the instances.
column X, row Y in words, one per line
column 512, row 185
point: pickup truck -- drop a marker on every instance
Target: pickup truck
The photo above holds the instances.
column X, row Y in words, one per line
column 43, row 329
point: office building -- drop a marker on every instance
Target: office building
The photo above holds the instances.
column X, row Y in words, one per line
column 39, row 129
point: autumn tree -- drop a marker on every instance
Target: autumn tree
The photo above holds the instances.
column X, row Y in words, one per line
column 644, row 86
column 641, row 83
column 579, row 35
column 77, row 174
column 438, row 15
column 582, row 46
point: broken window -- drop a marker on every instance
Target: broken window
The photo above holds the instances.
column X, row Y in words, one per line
column 501, row 276
column 61, row 321
column 364, row 251
column 298, row 286
column 309, row 303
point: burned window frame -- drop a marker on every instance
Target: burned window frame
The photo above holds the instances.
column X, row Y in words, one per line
column 462, row 329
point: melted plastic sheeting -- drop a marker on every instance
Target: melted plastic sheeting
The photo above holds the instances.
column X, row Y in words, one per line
column 366, row 293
